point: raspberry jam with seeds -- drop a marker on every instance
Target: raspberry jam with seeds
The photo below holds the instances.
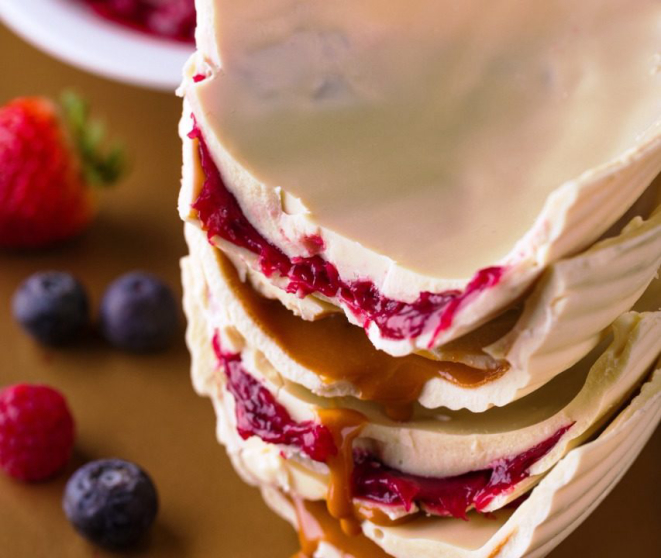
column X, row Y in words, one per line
column 220, row 215
column 259, row 414
column 170, row 19
column 366, row 478
column 451, row 496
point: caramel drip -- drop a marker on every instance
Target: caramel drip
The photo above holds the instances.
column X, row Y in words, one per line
column 316, row 525
column 396, row 383
column 345, row 425
column 452, row 371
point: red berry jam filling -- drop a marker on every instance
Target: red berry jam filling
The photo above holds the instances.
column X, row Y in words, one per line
column 220, row 215
column 259, row 414
column 451, row 496
column 172, row 19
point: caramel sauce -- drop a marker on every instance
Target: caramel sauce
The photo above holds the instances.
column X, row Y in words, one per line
column 345, row 425
column 315, row 525
column 467, row 376
column 396, row 383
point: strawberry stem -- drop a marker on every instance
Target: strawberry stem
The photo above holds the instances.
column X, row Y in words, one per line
column 101, row 167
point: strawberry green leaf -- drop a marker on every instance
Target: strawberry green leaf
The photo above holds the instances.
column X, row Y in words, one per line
column 102, row 166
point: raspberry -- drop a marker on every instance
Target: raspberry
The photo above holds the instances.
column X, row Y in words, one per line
column 36, row 432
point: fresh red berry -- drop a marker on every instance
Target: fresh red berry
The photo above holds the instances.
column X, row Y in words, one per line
column 48, row 157
column 36, row 432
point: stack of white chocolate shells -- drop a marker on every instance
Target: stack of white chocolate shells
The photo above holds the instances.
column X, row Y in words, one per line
column 424, row 240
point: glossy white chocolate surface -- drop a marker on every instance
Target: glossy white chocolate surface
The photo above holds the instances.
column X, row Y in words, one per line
column 428, row 131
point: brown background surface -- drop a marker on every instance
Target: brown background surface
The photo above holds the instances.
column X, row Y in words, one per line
column 143, row 408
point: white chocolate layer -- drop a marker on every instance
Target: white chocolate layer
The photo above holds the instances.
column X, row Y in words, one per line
column 564, row 316
column 555, row 507
column 450, row 443
column 423, row 152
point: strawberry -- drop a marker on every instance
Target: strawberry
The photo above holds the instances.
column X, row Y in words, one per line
column 49, row 158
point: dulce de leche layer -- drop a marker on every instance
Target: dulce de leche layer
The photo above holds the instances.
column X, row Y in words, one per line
column 337, row 350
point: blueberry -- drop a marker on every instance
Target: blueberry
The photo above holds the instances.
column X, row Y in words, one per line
column 139, row 313
column 51, row 306
column 110, row 502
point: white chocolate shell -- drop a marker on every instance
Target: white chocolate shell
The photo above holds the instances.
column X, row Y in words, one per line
column 564, row 317
column 556, row 506
column 510, row 135
column 443, row 446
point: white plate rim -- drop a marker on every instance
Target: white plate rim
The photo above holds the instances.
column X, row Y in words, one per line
column 69, row 31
